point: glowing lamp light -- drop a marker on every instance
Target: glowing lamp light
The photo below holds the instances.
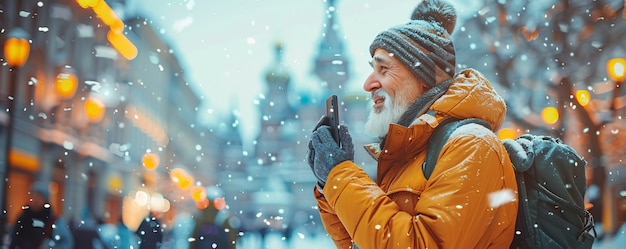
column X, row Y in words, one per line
column 550, row 115
column 108, row 16
column 202, row 204
column 583, row 97
column 66, row 83
column 185, row 182
column 181, row 178
column 150, row 161
column 87, row 3
column 219, row 203
column 141, row 198
column 506, row 133
column 615, row 68
column 198, row 193
column 94, row 109
column 17, row 47
column 176, row 174
column 115, row 183
column 121, row 43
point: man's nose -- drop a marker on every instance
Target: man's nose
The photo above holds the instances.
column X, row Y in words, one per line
column 371, row 83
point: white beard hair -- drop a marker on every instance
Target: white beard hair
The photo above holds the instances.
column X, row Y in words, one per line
column 378, row 122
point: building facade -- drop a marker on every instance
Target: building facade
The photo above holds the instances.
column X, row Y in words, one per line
column 94, row 163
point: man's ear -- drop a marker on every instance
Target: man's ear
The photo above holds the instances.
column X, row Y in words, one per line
column 425, row 87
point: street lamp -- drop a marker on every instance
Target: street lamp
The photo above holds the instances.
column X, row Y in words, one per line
column 150, row 161
column 615, row 68
column 66, row 83
column 16, row 51
column 17, row 48
column 550, row 115
column 94, row 109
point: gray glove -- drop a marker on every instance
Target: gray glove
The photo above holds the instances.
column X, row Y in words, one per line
column 324, row 153
column 311, row 153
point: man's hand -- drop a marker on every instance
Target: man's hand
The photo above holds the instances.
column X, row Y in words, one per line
column 324, row 153
column 311, row 152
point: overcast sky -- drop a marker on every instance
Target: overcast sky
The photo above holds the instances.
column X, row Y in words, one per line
column 226, row 46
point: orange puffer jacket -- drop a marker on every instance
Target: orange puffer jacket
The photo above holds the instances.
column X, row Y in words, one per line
column 468, row 202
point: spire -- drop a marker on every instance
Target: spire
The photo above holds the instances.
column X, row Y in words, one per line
column 278, row 75
column 331, row 63
column 276, row 105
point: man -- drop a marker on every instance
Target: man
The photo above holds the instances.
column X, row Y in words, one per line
column 469, row 200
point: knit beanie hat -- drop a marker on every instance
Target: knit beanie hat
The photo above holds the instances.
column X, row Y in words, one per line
column 423, row 44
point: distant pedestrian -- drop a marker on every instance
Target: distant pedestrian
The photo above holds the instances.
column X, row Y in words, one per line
column 150, row 232
column 214, row 226
column 86, row 235
column 37, row 227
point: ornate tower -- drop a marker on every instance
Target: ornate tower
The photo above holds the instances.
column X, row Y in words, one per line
column 276, row 112
column 331, row 64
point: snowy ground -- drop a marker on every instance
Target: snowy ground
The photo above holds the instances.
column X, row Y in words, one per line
column 277, row 241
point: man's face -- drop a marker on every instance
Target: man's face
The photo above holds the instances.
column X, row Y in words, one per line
column 393, row 88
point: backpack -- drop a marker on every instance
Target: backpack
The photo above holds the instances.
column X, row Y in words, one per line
column 551, row 185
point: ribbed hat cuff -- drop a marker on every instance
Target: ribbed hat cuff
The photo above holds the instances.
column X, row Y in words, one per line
column 420, row 64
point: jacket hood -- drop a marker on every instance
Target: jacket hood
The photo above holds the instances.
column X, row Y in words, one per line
column 472, row 96
column 469, row 96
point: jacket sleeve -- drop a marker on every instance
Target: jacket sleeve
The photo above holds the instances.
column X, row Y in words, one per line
column 453, row 210
column 331, row 222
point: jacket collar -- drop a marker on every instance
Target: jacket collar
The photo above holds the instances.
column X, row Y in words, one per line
column 404, row 141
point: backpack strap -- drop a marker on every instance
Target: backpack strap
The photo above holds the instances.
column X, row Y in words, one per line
column 440, row 137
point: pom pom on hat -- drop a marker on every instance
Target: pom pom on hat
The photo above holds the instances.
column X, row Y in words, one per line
column 423, row 44
column 436, row 11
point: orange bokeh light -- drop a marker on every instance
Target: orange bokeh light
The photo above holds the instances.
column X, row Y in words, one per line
column 550, row 115
column 202, row 204
column 506, row 133
column 583, row 96
column 121, row 43
column 219, row 203
column 16, row 50
column 615, row 68
column 66, row 83
column 198, row 193
column 150, row 161
column 94, row 109
column 87, row 3
column 181, row 178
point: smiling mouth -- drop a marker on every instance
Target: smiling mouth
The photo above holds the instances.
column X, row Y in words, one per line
column 379, row 101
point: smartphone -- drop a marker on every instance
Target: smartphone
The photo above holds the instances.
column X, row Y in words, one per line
column 332, row 112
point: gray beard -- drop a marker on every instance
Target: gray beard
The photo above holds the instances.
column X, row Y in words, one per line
column 378, row 121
